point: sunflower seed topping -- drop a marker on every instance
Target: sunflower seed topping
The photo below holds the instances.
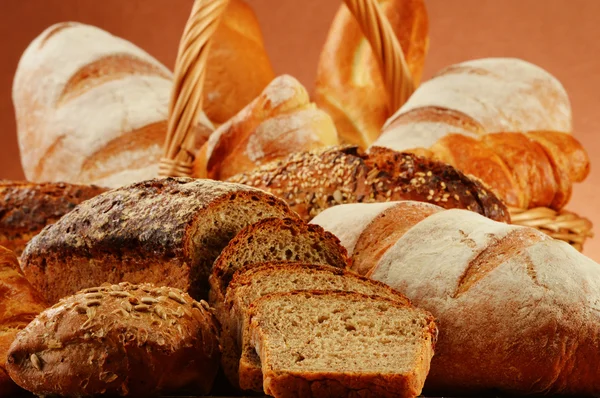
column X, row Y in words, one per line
column 36, row 362
column 93, row 303
column 142, row 308
column 174, row 296
column 149, row 300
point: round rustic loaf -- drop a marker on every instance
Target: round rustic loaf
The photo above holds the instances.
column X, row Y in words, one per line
column 123, row 339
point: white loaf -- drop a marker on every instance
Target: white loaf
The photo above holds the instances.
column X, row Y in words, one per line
column 495, row 94
column 90, row 107
column 519, row 312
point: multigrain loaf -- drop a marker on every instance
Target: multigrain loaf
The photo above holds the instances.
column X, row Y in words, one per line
column 19, row 304
column 333, row 344
column 350, row 85
column 502, row 120
column 279, row 121
column 274, row 239
column 249, row 284
column 518, row 311
column 122, row 339
column 313, row 181
column 91, row 108
column 27, row 207
column 166, row 231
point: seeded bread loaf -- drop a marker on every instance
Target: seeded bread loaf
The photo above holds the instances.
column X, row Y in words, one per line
column 19, row 304
column 271, row 240
column 26, row 208
column 249, row 284
column 518, row 311
column 166, row 231
column 333, row 344
column 313, row 181
column 123, row 339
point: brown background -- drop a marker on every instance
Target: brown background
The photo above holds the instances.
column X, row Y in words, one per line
column 560, row 35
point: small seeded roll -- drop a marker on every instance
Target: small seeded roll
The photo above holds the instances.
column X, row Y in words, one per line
column 124, row 339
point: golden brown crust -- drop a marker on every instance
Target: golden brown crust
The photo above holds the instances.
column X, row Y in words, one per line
column 118, row 339
column 238, row 66
column 526, row 170
column 349, row 85
column 313, row 181
column 27, row 207
column 279, row 121
column 19, row 304
column 158, row 231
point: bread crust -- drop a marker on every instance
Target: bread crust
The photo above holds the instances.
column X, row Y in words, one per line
column 120, row 339
column 19, row 304
column 152, row 230
column 349, row 84
column 313, row 181
column 27, row 207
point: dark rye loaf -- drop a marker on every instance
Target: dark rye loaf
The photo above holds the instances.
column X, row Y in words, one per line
column 27, row 207
column 165, row 231
column 313, row 181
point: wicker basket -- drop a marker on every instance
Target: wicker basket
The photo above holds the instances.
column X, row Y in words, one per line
column 186, row 102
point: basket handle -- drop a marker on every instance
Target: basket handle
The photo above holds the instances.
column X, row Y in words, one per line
column 186, row 98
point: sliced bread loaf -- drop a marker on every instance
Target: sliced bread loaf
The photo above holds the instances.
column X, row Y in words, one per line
column 333, row 344
column 271, row 240
column 249, row 284
column 167, row 231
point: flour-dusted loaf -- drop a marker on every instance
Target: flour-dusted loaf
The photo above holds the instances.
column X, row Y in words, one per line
column 251, row 283
column 313, row 181
column 166, row 231
column 19, row 304
column 517, row 310
column 338, row 344
column 502, row 120
column 278, row 122
column 27, row 207
column 91, row 108
column 121, row 339
column 274, row 239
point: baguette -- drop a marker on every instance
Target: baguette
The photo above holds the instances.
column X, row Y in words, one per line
column 91, row 108
column 164, row 231
column 19, row 304
column 280, row 121
column 349, row 84
column 313, row 181
column 517, row 310
column 26, row 208
column 134, row 340
column 502, row 120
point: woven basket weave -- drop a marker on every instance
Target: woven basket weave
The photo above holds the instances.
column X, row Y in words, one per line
column 186, row 102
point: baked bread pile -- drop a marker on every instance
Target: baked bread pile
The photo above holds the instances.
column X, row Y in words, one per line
column 327, row 246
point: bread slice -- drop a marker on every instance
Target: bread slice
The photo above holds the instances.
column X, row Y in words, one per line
column 271, row 240
column 249, row 284
column 332, row 344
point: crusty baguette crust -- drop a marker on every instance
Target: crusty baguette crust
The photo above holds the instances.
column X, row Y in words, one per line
column 19, row 304
column 282, row 384
column 349, row 84
column 150, row 229
column 313, row 181
column 120, row 339
column 27, row 207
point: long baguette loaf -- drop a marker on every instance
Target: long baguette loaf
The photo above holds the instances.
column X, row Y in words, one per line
column 164, row 231
column 26, row 208
column 349, row 84
column 452, row 116
column 91, row 108
column 19, row 304
column 280, row 121
column 313, row 181
column 518, row 311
